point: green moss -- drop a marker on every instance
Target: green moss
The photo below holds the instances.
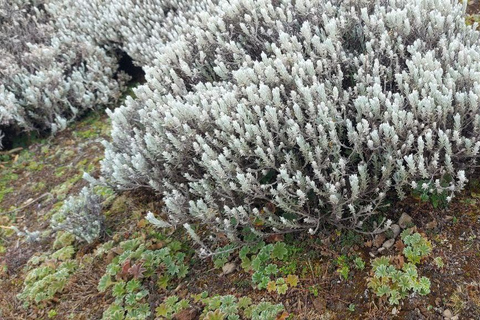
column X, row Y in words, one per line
column 60, row 171
column 4, row 192
column 82, row 163
column 35, row 166
column 8, row 177
column 73, row 180
column 62, row 190
column 90, row 167
column 119, row 205
column 473, row 18
column 39, row 186
column 92, row 126
column 65, row 154
column 24, row 157
column 54, row 209
column 91, row 133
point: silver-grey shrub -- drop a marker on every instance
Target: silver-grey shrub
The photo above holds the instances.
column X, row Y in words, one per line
column 81, row 215
column 139, row 28
column 49, row 74
column 297, row 113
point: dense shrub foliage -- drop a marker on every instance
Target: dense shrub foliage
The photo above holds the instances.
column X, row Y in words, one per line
column 268, row 115
column 81, row 216
column 290, row 114
column 49, row 74
column 137, row 28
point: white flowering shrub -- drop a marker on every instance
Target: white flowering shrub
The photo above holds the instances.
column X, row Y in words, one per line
column 291, row 114
column 48, row 74
column 81, row 216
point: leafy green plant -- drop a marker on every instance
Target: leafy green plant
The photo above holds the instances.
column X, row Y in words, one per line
column 171, row 306
column 416, row 246
column 233, row 308
column 127, row 272
column 52, row 314
column 263, row 311
column 259, row 259
column 222, row 255
column 343, row 269
column 49, row 277
column 216, row 307
column 395, row 282
column 439, row 262
column 314, row 290
column 359, row 263
column 427, row 192
column 63, row 239
column 350, row 238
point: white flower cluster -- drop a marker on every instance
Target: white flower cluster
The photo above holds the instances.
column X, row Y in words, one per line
column 48, row 74
column 81, row 216
column 290, row 114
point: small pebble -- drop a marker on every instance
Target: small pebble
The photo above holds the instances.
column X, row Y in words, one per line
column 447, row 314
column 395, row 229
column 228, row 268
column 431, row 225
column 404, row 220
column 388, row 244
column 379, row 240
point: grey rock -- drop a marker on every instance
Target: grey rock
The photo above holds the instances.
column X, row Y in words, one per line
column 405, row 220
column 447, row 314
column 389, row 243
column 229, row 268
column 395, row 229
